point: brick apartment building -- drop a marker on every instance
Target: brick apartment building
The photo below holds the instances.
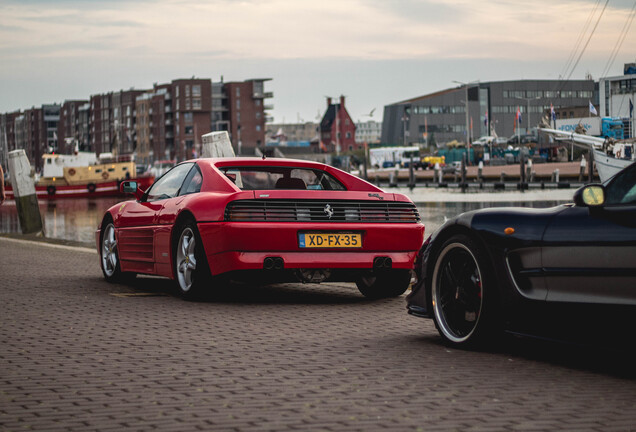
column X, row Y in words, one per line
column 246, row 107
column 166, row 121
column 192, row 108
column 69, row 128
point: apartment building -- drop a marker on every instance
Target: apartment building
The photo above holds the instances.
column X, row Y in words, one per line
column 166, row 121
column 245, row 104
column 69, row 126
column 192, row 108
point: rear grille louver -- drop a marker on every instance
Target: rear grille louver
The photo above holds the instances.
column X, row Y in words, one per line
column 318, row 211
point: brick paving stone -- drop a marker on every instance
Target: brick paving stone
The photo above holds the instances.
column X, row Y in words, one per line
column 288, row 357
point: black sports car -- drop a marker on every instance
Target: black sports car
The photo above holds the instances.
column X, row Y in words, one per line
column 562, row 272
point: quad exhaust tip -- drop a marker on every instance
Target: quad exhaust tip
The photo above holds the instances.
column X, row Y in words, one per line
column 382, row 262
column 273, row 263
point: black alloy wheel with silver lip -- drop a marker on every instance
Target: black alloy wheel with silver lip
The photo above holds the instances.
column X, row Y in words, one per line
column 458, row 293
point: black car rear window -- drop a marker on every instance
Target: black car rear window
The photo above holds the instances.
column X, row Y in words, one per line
column 267, row 178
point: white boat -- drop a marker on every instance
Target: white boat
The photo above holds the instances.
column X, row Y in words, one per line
column 608, row 164
column 610, row 156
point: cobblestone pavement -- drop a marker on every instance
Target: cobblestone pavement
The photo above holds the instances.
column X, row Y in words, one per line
column 77, row 354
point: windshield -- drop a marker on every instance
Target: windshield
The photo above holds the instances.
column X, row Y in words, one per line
column 263, row 178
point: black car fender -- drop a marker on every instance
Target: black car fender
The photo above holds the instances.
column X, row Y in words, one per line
column 497, row 231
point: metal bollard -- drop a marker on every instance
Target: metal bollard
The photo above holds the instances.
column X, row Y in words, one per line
column 26, row 200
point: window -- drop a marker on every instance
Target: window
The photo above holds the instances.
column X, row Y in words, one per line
column 348, row 136
column 187, row 104
column 258, row 128
column 257, row 102
column 196, row 103
column 189, row 130
column 622, row 187
column 187, row 117
column 188, row 91
column 196, row 90
column 264, row 178
column 169, row 184
column 238, row 104
column 193, row 181
column 238, row 92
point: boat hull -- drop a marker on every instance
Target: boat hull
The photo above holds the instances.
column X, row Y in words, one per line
column 90, row 190
column 607, row 166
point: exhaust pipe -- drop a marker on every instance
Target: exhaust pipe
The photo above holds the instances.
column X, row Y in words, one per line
column 273, row 263
column 380, row 263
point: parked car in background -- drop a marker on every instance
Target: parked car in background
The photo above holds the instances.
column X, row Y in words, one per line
column 208, row 221
column 500, row 141
column 484, row 140
column 563, row 272
column 522, row 139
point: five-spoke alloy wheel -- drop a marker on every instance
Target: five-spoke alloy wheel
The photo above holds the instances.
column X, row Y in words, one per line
column 109, row 254
column 190, row 263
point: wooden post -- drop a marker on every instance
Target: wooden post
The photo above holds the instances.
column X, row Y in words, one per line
column 26, row 200
column 217, row 144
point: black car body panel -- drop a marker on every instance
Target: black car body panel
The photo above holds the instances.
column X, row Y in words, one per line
column 558, row 265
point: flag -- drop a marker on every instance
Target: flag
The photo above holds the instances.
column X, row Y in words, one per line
column 631, row 108
column 592, row 109
column 519, row 120
column 486, row 119
column 552, row 113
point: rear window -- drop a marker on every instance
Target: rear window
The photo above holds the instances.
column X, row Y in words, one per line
column 267, row 178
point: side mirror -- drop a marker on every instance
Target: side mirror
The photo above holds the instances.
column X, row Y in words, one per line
column 592, row 195
column 131, row 187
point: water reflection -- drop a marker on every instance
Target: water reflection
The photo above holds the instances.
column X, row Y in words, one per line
column 77, row 219
column 67, row 219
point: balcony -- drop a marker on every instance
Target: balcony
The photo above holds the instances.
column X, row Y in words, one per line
column 168, row 122
column 268, row 107
column 263, row 95
column 168, row 108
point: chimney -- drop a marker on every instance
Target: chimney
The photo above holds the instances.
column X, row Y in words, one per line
column 341, row 101
column 328, row 102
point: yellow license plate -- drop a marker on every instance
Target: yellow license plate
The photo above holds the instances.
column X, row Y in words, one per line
column 329, row 240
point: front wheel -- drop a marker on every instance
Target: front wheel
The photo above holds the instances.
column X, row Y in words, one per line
column 190, row 263
column 109, row 255
column 464, row 303
column 388, row 283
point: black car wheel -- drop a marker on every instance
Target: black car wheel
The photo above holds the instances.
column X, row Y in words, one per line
column 463, row 302
column 190, row 263
column 388, row 283
column 109, row 254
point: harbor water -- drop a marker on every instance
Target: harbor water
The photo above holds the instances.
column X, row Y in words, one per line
column 76, row 219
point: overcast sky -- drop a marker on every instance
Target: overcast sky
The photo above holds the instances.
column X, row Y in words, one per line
column 375, row 52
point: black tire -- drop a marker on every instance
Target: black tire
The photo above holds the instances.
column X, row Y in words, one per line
column 383, row 284
column 109, row 255
column 191, row 270
column 463, row 294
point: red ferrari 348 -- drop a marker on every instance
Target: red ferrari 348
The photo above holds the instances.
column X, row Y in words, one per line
column 209, row 221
